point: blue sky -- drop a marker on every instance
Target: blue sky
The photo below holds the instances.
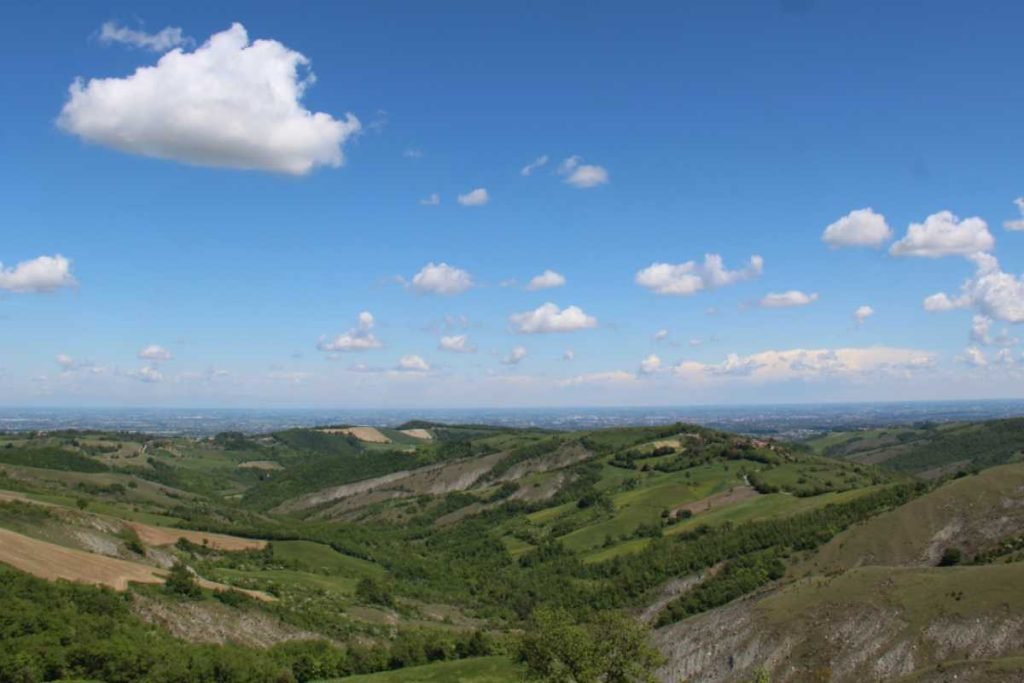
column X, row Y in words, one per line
column 672, row 131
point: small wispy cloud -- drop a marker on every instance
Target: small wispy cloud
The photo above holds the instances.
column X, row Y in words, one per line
column 161, row 41
column 477, row 197
column 540, row 161
column 582, row 176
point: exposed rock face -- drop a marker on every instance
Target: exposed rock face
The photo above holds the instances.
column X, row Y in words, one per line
column 867, row 625
column 204, row 622
column 435, row 480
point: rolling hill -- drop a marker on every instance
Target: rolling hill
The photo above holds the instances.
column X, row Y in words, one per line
column 419, row 552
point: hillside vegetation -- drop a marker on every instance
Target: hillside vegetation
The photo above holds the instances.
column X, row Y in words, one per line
column 425, row 551
column 930, row 449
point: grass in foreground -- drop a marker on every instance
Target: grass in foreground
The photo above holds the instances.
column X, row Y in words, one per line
column 476, row 670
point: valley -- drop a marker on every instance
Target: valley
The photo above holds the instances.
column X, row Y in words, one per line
column 426, row 551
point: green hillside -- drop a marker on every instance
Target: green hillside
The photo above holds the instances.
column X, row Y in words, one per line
column 929, row 449
column 422, row 556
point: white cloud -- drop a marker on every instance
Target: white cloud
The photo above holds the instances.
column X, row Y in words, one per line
column 440, row 278
column 477, row 197
column 230, row 103
column 684, row 279
column 650, row 365
column 1018, row 223
column 974, row 356
column 787, row 299
column 413, row 153
column 147, row 374
column 534, row 165
column 990, row 291
column 433, row 200
column 517, row 354
column 582, row 175
column 862, row 314
column 611, row 377
column 65, row 361
column 943, row 234
column 803, row 364
column 161, row 41
column 1004, row 357
column 941, row 302
column 860, row 228
column 43, row 274
column 412, row 363
column 550, row 318
column 661, row 335
column 155, row 352
column 1003, row 338
column 458, row 343
column 981, row 326
column 546, row 280
column 359, row 338
column 568, row 355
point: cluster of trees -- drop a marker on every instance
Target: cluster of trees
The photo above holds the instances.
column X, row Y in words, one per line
column 51, row 458
column 737, row 578
column 986, row 444
column 633, row 575
column 90, row 633
column 1007, row 550
column 608, row 647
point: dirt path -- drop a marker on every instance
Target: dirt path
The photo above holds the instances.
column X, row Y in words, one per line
column 734, row 495
column 11, row 497
column 158, row 535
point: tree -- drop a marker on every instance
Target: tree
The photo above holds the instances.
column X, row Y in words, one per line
column 950, row 557
column 761, row 676
column 371, row 591
column 625, row 653
column 610, row 648
column 181, row 581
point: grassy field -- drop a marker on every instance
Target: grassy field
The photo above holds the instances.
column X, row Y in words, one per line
column 478, row 670
column 962, row 513
column 321, row 558
column 760, row 507
column 654, row 493
column 920, row 594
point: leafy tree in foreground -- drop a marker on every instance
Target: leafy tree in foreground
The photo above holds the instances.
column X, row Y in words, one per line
column 610, row 648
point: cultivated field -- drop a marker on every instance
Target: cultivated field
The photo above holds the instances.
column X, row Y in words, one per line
column 158, row 536
column 52, row 562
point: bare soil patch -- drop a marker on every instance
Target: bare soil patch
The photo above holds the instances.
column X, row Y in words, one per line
column 52, row 562
column 367, row 434
column 157, row 536
column 734, row 495
column 419, row 434
column 260, row 465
